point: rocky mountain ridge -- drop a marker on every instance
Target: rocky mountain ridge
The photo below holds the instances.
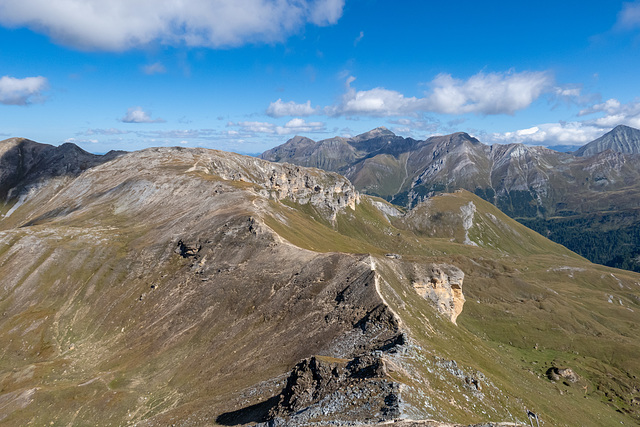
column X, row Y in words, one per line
column 196, row 287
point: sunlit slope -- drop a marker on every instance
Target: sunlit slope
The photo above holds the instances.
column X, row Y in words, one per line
column 530, row 305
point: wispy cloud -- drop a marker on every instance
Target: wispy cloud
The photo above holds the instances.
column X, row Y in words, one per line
column 293, row 126
column 155, row 68
column 117, row 25
column 629, row 16
column 81, row 141
column 14, row 91
column 138, row 115
column 359, row 38
column 108, row 132
column 571, row 133
column 281, row 109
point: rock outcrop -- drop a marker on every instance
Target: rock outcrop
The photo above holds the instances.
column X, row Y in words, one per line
column 442, row 285
column 558, row 374
column 342, row 390
column 326, row 191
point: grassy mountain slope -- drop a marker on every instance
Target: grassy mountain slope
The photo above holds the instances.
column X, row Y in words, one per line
column 559, row 194
column 176, row 286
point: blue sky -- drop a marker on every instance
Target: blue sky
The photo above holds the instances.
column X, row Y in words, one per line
column 246, row 75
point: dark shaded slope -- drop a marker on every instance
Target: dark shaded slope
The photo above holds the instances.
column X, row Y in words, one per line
column 24, row 163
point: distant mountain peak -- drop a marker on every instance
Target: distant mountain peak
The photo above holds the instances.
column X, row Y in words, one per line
column 622, row 139
column 374, row 133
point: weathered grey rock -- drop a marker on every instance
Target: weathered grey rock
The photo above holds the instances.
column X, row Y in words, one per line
column 343, row 391
column 621, row 139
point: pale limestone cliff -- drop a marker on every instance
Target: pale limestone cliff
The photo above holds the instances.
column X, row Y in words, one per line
column 441, row 284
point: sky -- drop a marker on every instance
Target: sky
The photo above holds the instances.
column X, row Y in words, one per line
column 247, row 75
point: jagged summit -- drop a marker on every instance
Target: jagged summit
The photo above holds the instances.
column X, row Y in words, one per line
column 621, row 139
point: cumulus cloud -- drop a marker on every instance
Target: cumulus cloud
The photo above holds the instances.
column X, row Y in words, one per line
column 607, row 115
column 117, row 25
column 300, row 126
column 138, row 115
column 614, row 113
column 155, row 68
column 486, row 94
column 293, row 126
column 493, row 93
column 377, row 102
column 281, row 109
column 14, row 91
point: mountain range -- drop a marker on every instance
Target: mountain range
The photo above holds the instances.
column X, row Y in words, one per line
column 588, row 201
column 194, row 287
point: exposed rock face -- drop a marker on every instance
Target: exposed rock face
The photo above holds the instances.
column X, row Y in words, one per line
column 345, row 390
column 621, row 139
column 442, row 285
column 557, row 374
column 329, row 192
column 468, row 211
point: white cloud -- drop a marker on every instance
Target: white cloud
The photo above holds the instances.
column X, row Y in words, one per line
column 629, row 16
column 615, row 113
column 108, row 132
column 14, row 91
column 138, row 115
column 293, row 126
column 377, row 102
column 117, row 25
column 155, row 68
column 280, row 109
column 300, row 126
column 493, row 93
column 325, row 12
column 81, row 141
column 568, row 92
column 573, row 133
column 611, row 113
